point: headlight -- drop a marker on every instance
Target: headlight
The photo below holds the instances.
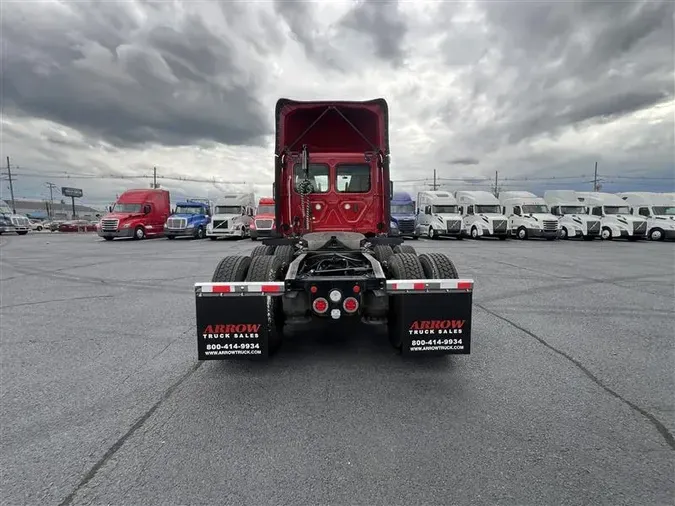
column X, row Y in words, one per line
column 126, row 225
column 191, row 225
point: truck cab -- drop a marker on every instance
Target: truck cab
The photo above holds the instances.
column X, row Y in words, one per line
column 11, row 222
column 137, row 214
column 232, row 216
column 189, row 219
column 482, row 214
column 403, row 215
column 528, row 215
column 614, row 214
column 572, row 218
column 263, row 224
column 657, row 208
column 438, row 215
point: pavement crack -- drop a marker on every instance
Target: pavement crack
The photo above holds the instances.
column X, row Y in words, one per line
column 57, row 300
column 132, row 430
column 660, row 427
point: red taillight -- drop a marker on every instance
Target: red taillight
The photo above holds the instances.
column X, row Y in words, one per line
column 314, row 289
column 350, row 305
column 357, row 288
column 320, row 305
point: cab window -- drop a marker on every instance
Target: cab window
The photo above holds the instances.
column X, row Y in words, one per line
column 353, row 178
column 516, row 210
column 318, row 176
column 644, row 211
column 597, row 211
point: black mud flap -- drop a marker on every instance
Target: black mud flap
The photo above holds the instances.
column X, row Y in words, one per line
column 233, row 325
column 432, row 322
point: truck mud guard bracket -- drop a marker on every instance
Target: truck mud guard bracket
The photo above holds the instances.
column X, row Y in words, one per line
column 235, row 320
column 431, row 316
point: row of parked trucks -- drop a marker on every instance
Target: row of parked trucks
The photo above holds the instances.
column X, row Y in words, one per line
column 559, row 214
column 147, row 212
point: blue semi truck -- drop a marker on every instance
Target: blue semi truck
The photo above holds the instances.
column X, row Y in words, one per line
column 403, row 215
column 189, row 219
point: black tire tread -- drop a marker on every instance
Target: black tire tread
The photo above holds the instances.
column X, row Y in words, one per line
column 231, row 268
column 383, row 252
column 262, row 250
column 438, row 266
column 405, row 266
column 264, row 268
column 285, row 253
column 404, row 248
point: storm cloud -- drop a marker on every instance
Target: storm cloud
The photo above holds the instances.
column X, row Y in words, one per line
column 520, row 87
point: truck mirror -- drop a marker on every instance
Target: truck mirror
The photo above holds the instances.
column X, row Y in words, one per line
column 110, row 209
column 146, row 209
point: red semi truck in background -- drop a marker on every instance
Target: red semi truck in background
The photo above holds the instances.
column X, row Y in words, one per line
column 138, row 214
column 332, row 256
column 263, row 223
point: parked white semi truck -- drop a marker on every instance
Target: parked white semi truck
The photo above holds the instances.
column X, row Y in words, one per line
column 438, row 215
column 528, row 215
column 657, row 208
column 232, row 216
column 572, row 215
column 10, row 222
column 482, row 214
column 615, row 218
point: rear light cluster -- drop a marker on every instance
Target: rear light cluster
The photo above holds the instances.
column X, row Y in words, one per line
column 350, row 305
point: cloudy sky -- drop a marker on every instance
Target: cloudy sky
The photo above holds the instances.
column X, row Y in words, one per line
column 532, row 90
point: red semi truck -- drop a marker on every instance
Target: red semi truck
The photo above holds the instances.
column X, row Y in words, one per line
column 263, row 222
column 332, row 256
column 138, row 214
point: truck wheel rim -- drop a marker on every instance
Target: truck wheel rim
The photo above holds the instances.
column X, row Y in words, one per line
column 521, row 233
column 605, row 234
column 563, row 233
column 656, row 235
column 139, row 233
column 474, row 232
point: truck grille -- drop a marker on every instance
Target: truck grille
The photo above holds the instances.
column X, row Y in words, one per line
column 263, row 224
column 640, row 227
column 550, row 225
column 20, row 222
column 454, row 226
column 222, row 224
column 179, row 223
column 109, row 225
column 593, row 227
column 499, row 226
column 406, row 226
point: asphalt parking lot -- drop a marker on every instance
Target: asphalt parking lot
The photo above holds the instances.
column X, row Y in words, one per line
column 567, row 397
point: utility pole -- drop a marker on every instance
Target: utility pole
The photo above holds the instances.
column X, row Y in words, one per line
column 51, row 199
column 496, row 188
column 11, row 186
column 595, row 178
column 154, row 177
column 435, row 185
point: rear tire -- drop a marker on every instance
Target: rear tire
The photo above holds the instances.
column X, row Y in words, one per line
column 606, row 234
column 404, row 248
column 438, row 266
column 231, row 268
column 269, row 268
column 401, row 266
column 262, row 250
column 383, row 252
column 656, row 234
column 285, row 253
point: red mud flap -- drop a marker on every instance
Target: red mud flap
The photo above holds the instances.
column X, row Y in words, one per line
column 236, row 320
column 431, row 316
